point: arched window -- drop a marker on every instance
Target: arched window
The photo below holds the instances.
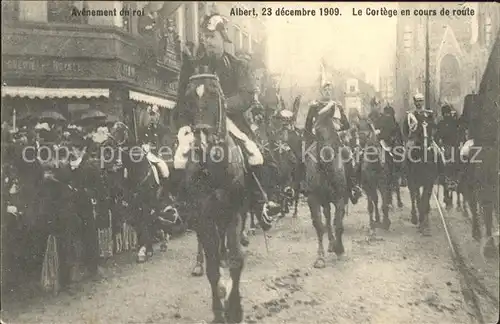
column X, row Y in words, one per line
column 449, row 85
column 487, row 31
column 10, row 10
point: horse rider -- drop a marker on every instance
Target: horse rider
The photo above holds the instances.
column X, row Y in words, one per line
column 416, row 117
column 342, row 124
column 150, row 142
column 239, row 87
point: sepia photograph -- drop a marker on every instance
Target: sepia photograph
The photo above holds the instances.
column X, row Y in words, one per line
column 182, row 162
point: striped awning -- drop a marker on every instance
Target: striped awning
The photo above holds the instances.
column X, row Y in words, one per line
column 45, row 93
column 160, row 102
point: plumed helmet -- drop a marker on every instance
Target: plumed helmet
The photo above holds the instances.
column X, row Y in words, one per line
column 215, row 22
column 285, row 115
column 418, row 97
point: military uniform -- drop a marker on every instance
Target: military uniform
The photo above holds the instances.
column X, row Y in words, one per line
column 342, row 124
column 239, row 87
column 416, row 118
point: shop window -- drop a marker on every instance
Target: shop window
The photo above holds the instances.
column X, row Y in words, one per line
column 10, row 10
column 62, row 11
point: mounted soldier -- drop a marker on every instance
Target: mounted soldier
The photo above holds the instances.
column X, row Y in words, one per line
column 239, row 90
column 150, row 141
column 341, row 124
column 422, row 155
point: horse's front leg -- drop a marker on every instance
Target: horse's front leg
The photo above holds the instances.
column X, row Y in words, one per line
column 369, row 207
column 198, row 268
column 424, row 209
column 143, row 237
column 327, row 212
column 386, row 193
column 339, row 226
column 210, row 241
column 414, row 193
column 234, row 310
column 244, row 236
column 398, row 192
column 315, row 209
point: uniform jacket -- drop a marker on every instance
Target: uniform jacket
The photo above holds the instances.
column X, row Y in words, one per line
column 312, row 114
column 449, row 132
column 421, row 116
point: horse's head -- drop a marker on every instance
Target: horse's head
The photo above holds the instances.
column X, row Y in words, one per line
column 205, row 99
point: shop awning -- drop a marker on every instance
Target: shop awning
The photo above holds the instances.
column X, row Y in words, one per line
column 44, row 93
column 161, row 102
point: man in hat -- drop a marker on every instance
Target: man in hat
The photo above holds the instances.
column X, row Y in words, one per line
column 239, row 89
column 150, row 141
column 417, row 116
column 341, row 124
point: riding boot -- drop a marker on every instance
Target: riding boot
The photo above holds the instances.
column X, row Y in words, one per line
column 352, row 182
column 269, row 208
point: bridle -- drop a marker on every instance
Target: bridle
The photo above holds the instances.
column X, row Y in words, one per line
column 221, row 112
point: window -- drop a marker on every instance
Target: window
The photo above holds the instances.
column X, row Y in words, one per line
column 61, row 11
column 10, row 10
column 407, row 35
column 352, row 88
column 487, row 31
column 127, row 19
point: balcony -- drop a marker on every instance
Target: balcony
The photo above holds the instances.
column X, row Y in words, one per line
column 82, row 41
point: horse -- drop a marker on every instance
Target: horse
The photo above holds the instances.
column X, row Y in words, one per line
column 292, row 139
column 326, row 183
column 216, row 177
column 421, row 160
column 148, row 196
column 375, row 174
column 481, row 181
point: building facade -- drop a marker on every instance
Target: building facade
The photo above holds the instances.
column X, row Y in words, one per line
column 458, row 51
column 119, row 64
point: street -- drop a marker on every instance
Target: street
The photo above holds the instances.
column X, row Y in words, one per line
column 389, row 277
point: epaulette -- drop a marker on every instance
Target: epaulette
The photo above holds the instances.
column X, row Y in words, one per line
column 314, row 103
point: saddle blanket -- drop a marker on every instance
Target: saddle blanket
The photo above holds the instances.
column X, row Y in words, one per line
column 185, row 137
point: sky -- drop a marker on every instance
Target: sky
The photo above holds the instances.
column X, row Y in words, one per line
column 296, row 44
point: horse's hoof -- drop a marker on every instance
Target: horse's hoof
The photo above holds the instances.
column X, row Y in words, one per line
column 244, row 241
column 234, row 313
column 400, row 204
column 331, row 247
column 426, row 231
column 391, row 207
column 414, row 220
column 163, row 247
column 197, row 271
column 319, row 263
column 339, row 249
column 141, row 259
column 476, row 235
column 218, row 319
column 386, row 224
column 489, row 250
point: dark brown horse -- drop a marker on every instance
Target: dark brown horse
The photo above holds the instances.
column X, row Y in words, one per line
column 375, row 173
column 147, row 194
column 481, row 117
column 326, row 183
column 422, row 158
column 216, row 178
